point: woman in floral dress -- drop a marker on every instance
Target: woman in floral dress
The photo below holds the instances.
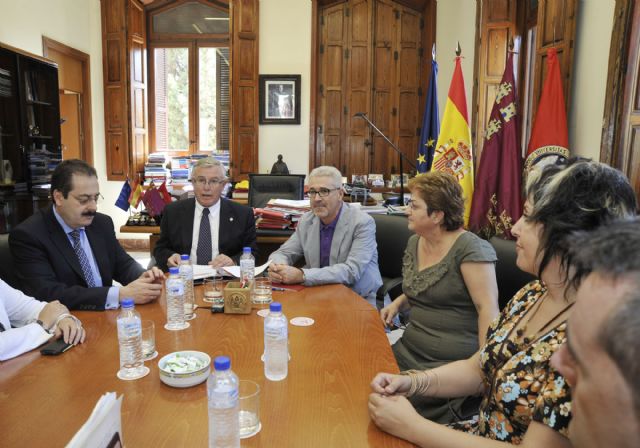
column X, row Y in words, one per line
column 524, row 400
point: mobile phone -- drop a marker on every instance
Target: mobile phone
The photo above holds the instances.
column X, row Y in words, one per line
column 55, row 347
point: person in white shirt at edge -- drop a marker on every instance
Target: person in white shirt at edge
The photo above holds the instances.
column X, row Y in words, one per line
column 337, row 241
column 26, row 323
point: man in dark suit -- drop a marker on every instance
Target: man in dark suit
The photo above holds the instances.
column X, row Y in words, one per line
column 69, row 251
column 209, row 229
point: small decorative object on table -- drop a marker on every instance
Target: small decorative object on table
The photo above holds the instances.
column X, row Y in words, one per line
column 279, row 167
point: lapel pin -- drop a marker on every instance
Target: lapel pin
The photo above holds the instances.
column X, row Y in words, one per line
column 230, row 219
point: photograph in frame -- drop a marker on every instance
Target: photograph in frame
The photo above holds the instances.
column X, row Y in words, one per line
column 279, row 99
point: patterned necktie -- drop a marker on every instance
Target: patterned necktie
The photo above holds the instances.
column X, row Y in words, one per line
column 82, row 258
column 203, row 253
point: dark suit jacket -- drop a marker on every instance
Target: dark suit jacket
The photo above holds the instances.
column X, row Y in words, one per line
column 49, row 269
column 237, row 230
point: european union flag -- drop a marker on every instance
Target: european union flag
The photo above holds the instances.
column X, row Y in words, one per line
column 123, row 197
column 430, row 124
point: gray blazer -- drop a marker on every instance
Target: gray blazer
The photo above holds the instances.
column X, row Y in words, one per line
column 354, row 252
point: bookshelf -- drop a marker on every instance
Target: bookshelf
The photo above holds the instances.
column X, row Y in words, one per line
column 29, row 133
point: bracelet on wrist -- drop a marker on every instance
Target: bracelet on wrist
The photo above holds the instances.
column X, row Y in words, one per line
column 47, row 330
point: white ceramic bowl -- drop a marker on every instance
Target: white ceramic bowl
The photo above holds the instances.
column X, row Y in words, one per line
column 186, row 379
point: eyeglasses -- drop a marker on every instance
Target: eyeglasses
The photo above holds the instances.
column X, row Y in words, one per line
column 86, row 198
column 322, row 192
column 201, row 182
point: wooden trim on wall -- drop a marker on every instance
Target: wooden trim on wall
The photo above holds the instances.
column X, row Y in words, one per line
column 614, row 100
column 85, row 60
column 313, row 116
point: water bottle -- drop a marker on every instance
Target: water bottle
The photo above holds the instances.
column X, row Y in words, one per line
column 276, row 343
column 130, row 341
column 222, row 395
column 175, row 301
column 247, row 270
column 186, row 273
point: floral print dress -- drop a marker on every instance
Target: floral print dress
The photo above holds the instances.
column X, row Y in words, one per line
column 521, row 385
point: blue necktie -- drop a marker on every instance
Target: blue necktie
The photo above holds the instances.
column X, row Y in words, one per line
column 82, row 258
column 203, row 253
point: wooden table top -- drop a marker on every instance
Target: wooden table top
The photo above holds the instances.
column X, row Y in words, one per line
column 44, row 400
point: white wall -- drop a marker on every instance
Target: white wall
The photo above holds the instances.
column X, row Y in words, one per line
column 285, row 48
column 456, row 22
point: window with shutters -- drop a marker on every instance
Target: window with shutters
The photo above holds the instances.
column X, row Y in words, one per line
column 189, row 75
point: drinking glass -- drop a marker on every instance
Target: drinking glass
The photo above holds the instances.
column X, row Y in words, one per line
column 262, row 291
column 214, row 292
column 249, row 397
column 148, row 340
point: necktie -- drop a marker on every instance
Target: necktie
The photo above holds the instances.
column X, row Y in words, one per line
column 82, row 258
column 203, row 253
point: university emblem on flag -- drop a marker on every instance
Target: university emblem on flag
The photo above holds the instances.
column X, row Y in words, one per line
column 453, row 160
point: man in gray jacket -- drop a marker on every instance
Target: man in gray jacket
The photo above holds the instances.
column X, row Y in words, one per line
column 337, row 240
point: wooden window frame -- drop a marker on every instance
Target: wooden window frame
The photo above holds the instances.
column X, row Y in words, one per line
column 193, row 44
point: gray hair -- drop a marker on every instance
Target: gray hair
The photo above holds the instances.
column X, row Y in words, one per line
column 328, row 171
column 612, row 250
column 209, row 162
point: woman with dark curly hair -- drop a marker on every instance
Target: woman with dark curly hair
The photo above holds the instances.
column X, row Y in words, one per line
column 524, row 400
column 449, row 284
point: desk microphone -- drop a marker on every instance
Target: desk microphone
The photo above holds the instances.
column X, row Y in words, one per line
column 359, row 115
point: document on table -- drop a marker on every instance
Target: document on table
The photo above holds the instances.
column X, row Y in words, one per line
column 205, row 271
column 103, row 429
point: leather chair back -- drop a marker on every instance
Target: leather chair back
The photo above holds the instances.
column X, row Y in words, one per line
column 509, row 277
column 7, row 269
column 263, row 187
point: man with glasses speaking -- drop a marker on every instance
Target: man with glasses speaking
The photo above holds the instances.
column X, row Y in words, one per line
column 337, row 241
column 211, row 230
column 69, row 252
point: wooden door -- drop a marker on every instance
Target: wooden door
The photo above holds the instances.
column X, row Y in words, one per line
column 71, row 125
column 556, row 29
column 627, row 153
column 497, row 27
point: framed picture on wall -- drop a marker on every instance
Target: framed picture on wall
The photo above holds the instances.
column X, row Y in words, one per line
column 279, row 99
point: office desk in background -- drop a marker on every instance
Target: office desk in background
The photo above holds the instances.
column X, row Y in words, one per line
column 322, row 403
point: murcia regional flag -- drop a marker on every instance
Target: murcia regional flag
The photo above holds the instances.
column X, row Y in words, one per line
column 453, row 150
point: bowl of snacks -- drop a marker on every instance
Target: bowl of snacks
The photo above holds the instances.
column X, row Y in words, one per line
column 184, row 369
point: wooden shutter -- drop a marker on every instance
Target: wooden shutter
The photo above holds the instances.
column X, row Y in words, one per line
column 137, row 49
column 497, row 25
column 244, row 88
column 556, row 29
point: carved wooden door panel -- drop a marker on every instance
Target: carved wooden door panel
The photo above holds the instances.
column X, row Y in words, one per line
column 556, row 29
column 331, row 80
column 498, row 25
column 627, row 154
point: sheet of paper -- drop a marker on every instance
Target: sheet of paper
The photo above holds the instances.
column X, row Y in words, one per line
column 234, row 271
column 104, row 427
column 292, row 203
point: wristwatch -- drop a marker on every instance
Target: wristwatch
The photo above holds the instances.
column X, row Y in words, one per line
column 39, row 322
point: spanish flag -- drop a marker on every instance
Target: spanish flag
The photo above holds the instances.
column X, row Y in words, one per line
column 453, row 150
column 136, row 194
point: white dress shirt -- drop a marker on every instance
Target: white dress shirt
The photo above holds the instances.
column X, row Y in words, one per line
column 19, row 310
column 214, row 222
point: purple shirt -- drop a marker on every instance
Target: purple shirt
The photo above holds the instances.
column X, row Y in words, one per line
column 326, row 237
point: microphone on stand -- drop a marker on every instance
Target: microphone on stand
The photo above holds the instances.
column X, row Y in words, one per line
column 393, row 146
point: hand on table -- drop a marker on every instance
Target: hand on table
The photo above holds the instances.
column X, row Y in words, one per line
column 285, row 274
column 49, row 314
column 221, row 260
column 394, row 414
column 389, row 384
column 173, row 260
column 145, row 289
column 71, row 331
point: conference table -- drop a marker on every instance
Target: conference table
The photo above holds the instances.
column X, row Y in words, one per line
column 44, row 400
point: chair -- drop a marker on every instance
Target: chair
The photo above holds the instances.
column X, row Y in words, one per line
column 509, row 277
column 7, row 268
column 263, row 187
column 392, row 235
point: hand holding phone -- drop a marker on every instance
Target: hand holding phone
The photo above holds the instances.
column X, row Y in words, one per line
column 55, row 347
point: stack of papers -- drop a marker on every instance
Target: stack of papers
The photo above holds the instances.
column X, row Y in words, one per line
column 104, row 427
column 205, row 271
column 281, row 214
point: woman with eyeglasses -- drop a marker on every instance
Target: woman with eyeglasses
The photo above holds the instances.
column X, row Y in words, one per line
column 524, row 400
column 449, row 287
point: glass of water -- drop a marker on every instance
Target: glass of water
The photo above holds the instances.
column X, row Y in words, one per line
column 148, row 340
column 249, row 394
column 262, row 291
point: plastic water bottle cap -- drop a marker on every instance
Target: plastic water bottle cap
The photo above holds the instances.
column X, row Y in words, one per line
column 222, row 363
column 184, row 257
column 275, row 307
column 174, row 270
column 246, row 250
column 127, row 303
